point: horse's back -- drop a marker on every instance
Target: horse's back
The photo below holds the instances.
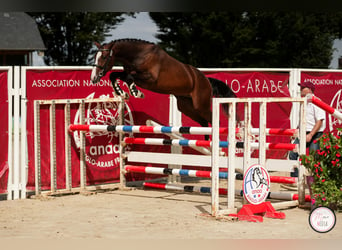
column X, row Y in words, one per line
column 183, row 77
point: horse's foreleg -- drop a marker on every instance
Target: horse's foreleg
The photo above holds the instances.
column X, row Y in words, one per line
column 135, row 92
column 133, row 88
column 115, row 82
column 118, row 90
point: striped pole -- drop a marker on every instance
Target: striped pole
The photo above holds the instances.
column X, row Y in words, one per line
column 318, row 102
column 172, row 171
column 146, row 129
column 222, row 191
column 204, row 143
column 170, row 130
column 200, row 173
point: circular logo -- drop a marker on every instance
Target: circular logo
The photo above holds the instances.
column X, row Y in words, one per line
column 322, row 219
column 256, row 184
column 102, row 148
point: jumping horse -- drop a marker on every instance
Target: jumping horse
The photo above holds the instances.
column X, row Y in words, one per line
column 148, row 66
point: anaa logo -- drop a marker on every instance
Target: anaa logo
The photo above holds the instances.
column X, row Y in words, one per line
column 256, row 184
column 102, row 148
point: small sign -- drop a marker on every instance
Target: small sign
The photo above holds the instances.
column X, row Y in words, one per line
column 256, row 184
column 322, row 219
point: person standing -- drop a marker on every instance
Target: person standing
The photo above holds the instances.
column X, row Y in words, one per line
column 315, row 123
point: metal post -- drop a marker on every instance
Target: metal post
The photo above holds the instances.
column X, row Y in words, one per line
column 231, row 158
column 67, row 149
column 215, row 157
column 121, row 112
column 302, row 150
column 11, row 92
column 247, row 139
column 262, row 133
column 16, row 122
column 247, row 136
column 53, row 164
column 175, row 119
column 37, row 160
column 23, row 140
column 82, row 148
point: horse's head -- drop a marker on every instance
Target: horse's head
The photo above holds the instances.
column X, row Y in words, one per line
column 104, row 61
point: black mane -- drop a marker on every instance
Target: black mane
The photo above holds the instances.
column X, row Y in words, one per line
column 133, row 40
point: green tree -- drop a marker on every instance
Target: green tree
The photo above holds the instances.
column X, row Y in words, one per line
column 250, row 39
column 69, row 36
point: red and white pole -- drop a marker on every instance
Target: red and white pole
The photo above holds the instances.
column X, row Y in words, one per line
column 318, row 102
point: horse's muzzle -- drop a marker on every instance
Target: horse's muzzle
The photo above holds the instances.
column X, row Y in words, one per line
column 95, row 79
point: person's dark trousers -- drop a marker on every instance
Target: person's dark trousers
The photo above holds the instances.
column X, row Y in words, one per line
column 311, row 145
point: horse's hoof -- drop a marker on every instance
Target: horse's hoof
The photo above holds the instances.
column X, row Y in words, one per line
column 123, row 95
column 138, row 95
column 141, row 95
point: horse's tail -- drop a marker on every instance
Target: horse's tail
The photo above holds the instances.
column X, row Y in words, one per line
column 221, row 89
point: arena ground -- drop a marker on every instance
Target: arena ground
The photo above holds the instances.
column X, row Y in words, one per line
column 144, row 214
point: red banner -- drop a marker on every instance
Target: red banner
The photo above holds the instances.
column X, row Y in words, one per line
column 261, row 84
column 3, row 131
column 328, row 87
column 102, row 156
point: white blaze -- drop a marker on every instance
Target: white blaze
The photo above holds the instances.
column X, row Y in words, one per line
column 93, row 72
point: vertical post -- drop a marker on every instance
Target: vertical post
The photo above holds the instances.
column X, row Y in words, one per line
column 215, row 157
column 302, row 150
column 53, row 164
column 295, row 77
column 11, row 92
column 16, row 122
column 262, row 133
column 231, row 157
column 247, row 139
column 82, row 148
column 121, row 112
column 247, row 136
column 175, row 119
column 37, row 160
column 23, row 140
column 67, row 148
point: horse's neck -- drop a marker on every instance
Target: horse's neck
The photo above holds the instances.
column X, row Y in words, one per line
column 126, row 52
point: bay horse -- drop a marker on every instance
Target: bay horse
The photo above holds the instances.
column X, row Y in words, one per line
column 148, row 66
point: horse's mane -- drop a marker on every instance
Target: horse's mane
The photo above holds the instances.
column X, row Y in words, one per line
column 133, row 40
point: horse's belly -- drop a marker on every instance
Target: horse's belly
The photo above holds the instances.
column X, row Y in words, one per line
column 167, row 87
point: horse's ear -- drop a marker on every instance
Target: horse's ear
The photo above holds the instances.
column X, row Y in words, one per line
column 97, row 45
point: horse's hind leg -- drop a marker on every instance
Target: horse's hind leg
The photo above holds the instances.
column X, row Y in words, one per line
column 185, row 105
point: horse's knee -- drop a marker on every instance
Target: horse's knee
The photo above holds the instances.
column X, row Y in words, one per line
column 129, row 79
column 113, row 76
